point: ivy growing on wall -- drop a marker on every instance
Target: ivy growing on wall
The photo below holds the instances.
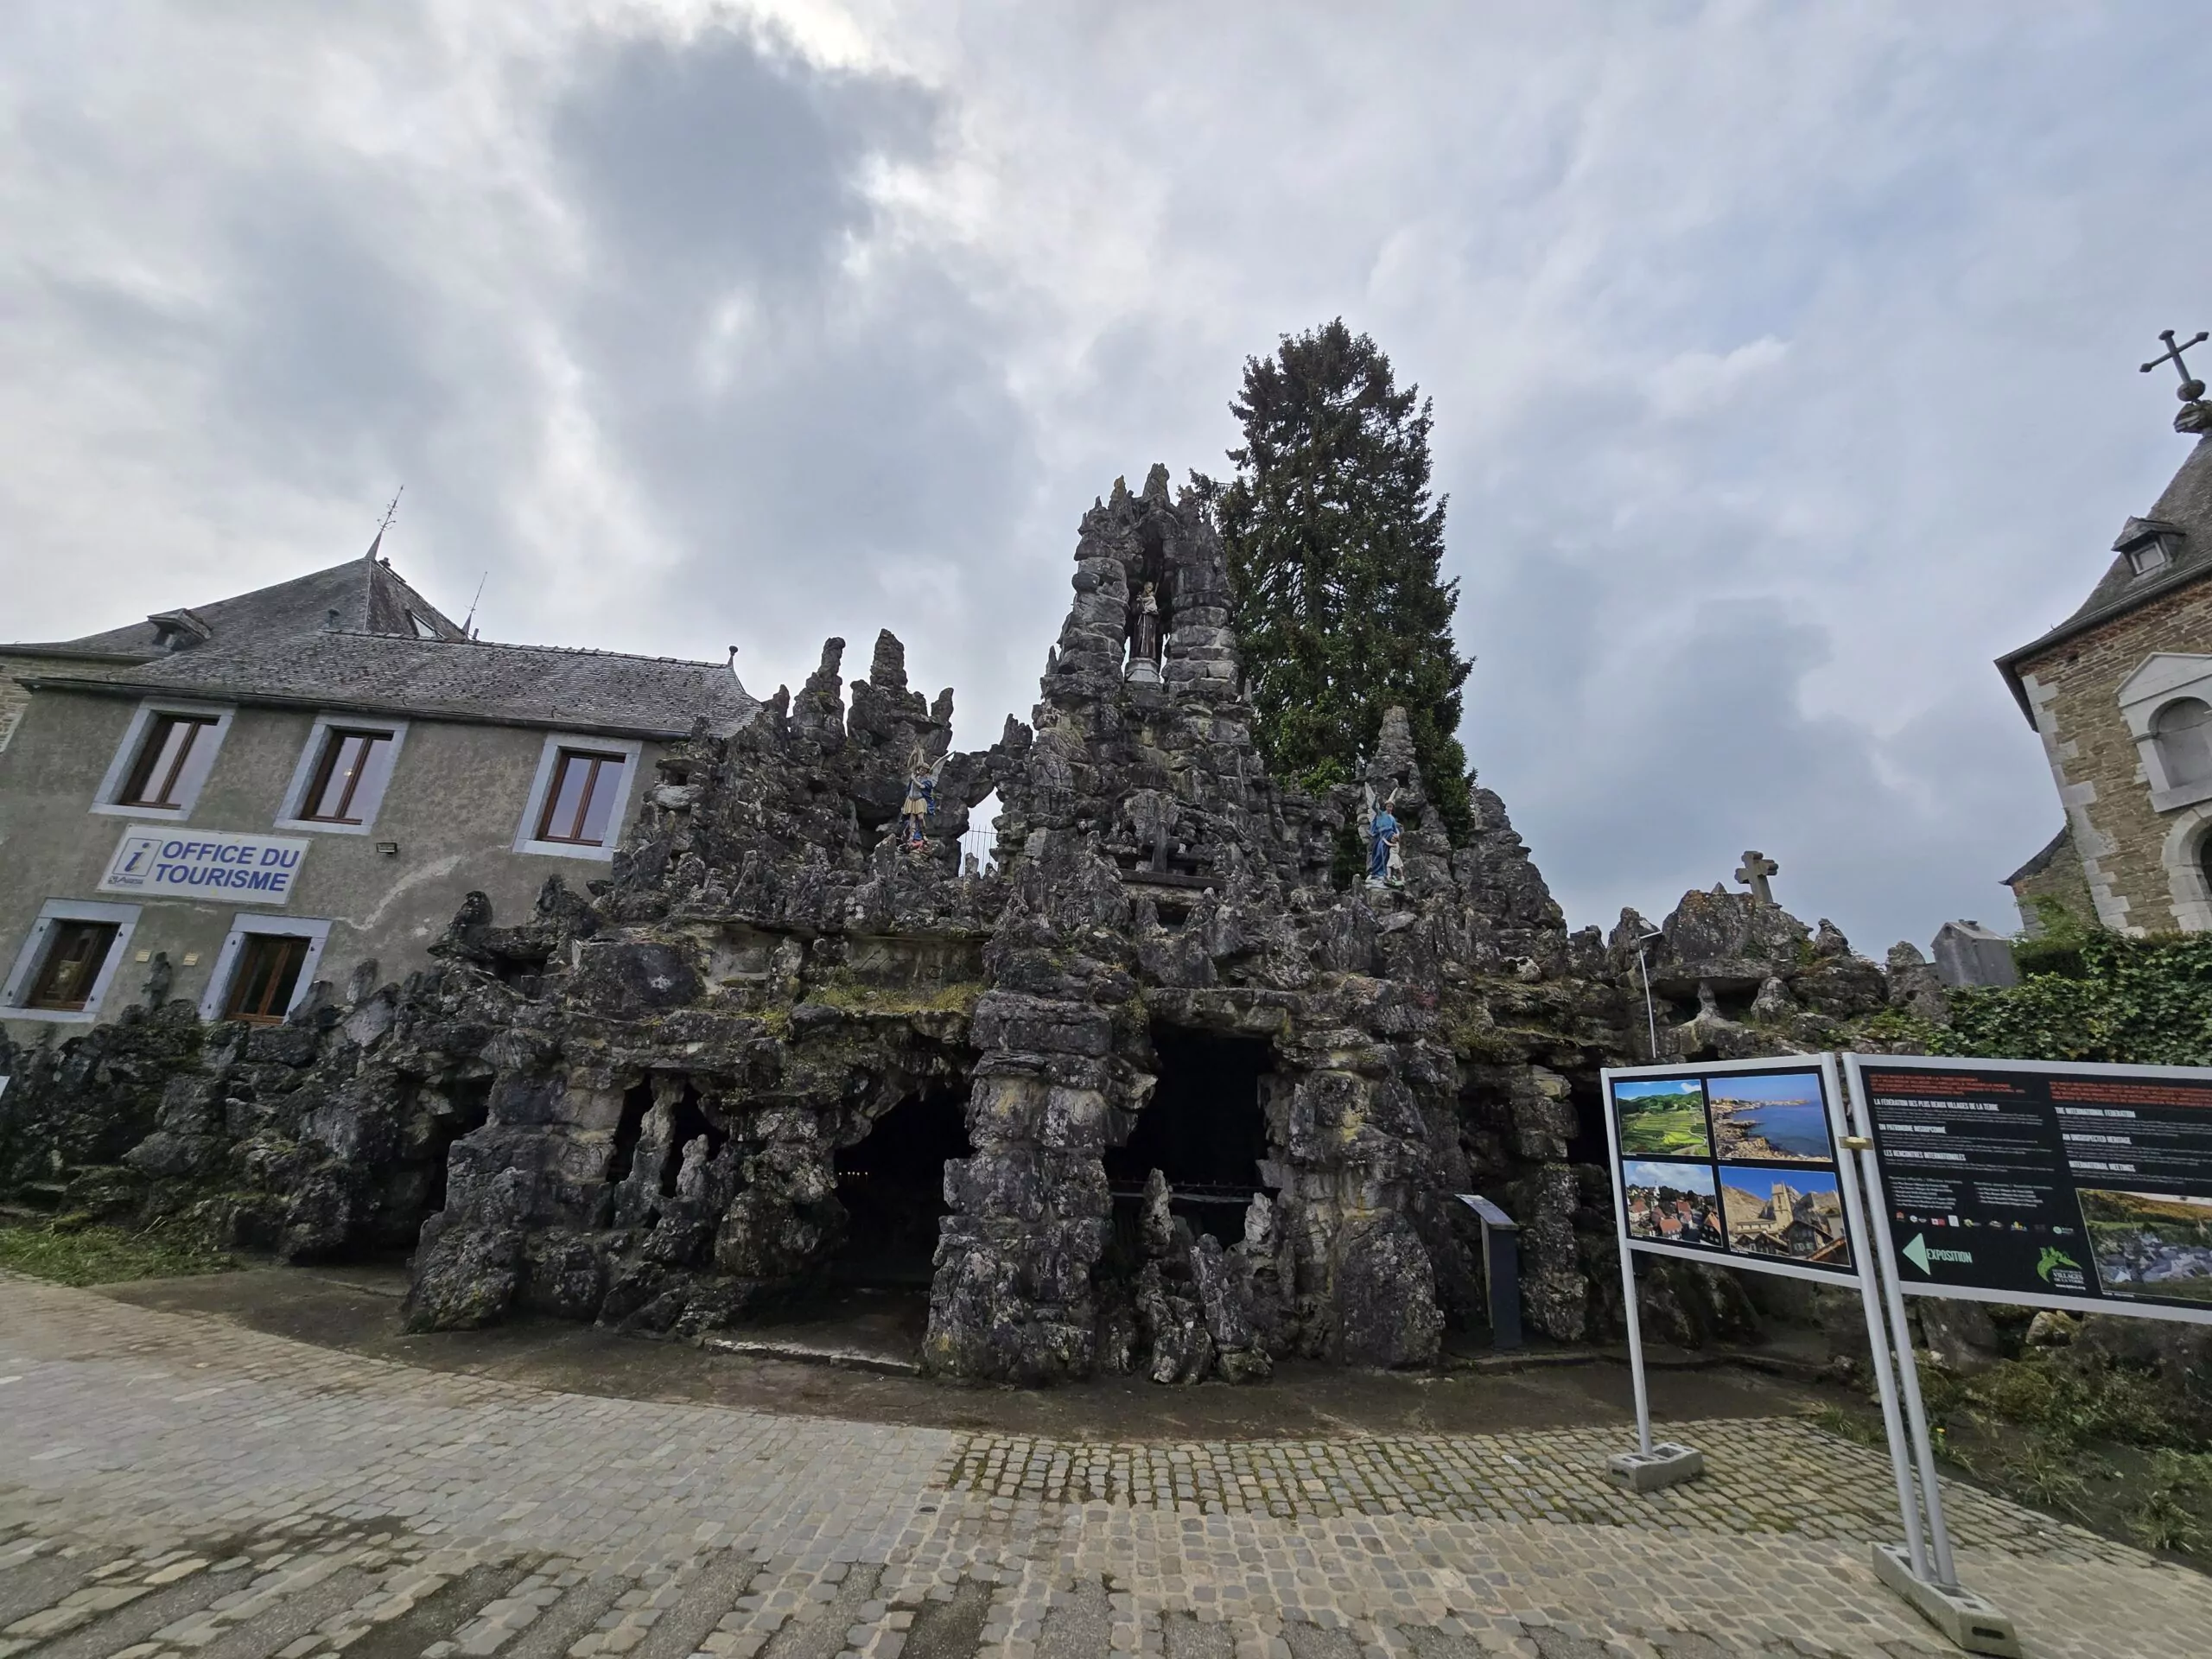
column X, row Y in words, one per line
column 2092, row 995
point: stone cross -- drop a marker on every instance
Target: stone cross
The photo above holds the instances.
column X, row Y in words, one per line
column 2191, row 389
column 1754, row 874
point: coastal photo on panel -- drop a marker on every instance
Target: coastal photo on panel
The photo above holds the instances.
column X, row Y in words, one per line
column 2149, row 1244
column 1796, row 1213
column 1774, row 1117
column 1672, row 1204
column 1662, row 1117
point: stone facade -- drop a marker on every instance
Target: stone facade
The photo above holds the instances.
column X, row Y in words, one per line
column 2094, row 689
column 1198, row 1106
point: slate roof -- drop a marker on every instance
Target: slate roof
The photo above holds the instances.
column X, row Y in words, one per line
column 281, row 645
column 2043, row 860
column 2184, row 510
column 368, row 594
column 451, row 679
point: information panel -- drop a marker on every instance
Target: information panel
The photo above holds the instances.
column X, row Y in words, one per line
column 2045, row 1184
column 1734, row 1161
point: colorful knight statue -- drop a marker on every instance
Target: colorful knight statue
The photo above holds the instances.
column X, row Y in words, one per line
column 921, row 799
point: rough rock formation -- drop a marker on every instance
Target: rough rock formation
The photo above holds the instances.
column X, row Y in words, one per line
column 1159, row 1092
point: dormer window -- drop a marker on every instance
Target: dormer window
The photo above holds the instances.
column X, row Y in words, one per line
column 2149, row 544
column 178, row 630
column 423, row 630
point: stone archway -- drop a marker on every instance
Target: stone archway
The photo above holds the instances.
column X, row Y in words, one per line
column 2185, row 853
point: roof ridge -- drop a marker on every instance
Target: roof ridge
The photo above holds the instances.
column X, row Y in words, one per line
column 516, row 644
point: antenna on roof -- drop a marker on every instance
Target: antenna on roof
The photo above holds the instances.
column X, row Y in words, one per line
column 384, row 524
column 471, row 617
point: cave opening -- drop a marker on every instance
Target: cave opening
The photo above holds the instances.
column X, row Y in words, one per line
column 469, row 1106
column 892, row 1185
column 412, row 1188
column 689, row 1122
column 629, row 1129
column 1204, row 1129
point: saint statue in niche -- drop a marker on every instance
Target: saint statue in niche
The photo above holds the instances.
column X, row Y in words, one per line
column 1385, row 865
column 1144, row 639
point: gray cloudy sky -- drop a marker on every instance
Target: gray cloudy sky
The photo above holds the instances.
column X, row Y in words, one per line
column 1783, row 356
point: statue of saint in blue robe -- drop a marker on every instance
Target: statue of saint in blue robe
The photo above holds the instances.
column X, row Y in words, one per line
column 1382, row 834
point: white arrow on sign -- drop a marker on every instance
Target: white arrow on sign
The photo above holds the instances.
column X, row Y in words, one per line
column 1916, row 1253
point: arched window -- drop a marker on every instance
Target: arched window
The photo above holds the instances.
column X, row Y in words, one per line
column 2183, row 732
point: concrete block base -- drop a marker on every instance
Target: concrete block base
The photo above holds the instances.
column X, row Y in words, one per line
column 1664, row 1464
column 1962, row 1616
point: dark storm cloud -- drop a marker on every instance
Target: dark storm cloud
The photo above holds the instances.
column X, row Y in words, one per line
column 797, row 393
column 1782, row 358
column 721, row 157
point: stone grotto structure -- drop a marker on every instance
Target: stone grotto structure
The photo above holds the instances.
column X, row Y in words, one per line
column 1165, row 1090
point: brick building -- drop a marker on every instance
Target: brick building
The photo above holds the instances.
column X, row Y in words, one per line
column 2121, row 695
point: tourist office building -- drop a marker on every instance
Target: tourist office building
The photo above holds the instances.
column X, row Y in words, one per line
column 226, row 802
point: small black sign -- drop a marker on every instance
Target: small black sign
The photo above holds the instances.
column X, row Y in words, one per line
column 2046, row 1184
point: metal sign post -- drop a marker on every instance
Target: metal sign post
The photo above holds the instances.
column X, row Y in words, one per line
column 1730, row 1163
column 1753, row 1164
column 2040, row 1184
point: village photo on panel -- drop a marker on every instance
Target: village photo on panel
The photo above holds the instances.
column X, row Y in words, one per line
column 1775, row 1117
column 1662, row 1117
column 1793, row 1212
column 2149, row 1244
column 1672, row 1204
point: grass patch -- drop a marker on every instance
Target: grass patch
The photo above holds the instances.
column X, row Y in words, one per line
column 1853, row 1425
column 90, row 1253
column 2098, row 1446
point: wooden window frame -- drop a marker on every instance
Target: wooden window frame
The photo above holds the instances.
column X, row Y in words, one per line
column 37, row 995
column 540, row 810
column 250, row 947
column 223, row 982
column 125, row 787
column 26, row 976
column 152, row 744
column 334, row 739
column 599, row 759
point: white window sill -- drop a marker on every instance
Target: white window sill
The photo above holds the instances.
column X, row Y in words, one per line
column 2172, row 800
column 163, row 814
column 322, row 827
column 56, row 1016
column 600, row 855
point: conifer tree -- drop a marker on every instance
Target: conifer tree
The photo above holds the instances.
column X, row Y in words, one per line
column 1336, row 545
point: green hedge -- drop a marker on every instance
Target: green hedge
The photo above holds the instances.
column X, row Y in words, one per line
column 2095, row 996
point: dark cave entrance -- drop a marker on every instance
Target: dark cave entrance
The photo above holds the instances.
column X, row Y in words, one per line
column 629, row 1129
column 891, row 1184
column 690, row 1122
column 469, row 1106
column 1203, row 1129
column 416, row 1189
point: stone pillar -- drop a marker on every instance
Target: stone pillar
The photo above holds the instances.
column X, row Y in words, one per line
column 1012, row 1299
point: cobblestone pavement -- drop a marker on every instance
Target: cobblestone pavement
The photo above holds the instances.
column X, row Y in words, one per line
column 173, row 1488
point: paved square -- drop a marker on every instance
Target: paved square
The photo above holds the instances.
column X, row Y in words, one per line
column 172, row 1487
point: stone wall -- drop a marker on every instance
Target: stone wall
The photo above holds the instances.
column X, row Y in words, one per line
column 2073, row 688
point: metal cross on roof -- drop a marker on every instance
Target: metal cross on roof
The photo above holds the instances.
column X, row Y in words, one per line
column 2192, row 388
column 1754, row 874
